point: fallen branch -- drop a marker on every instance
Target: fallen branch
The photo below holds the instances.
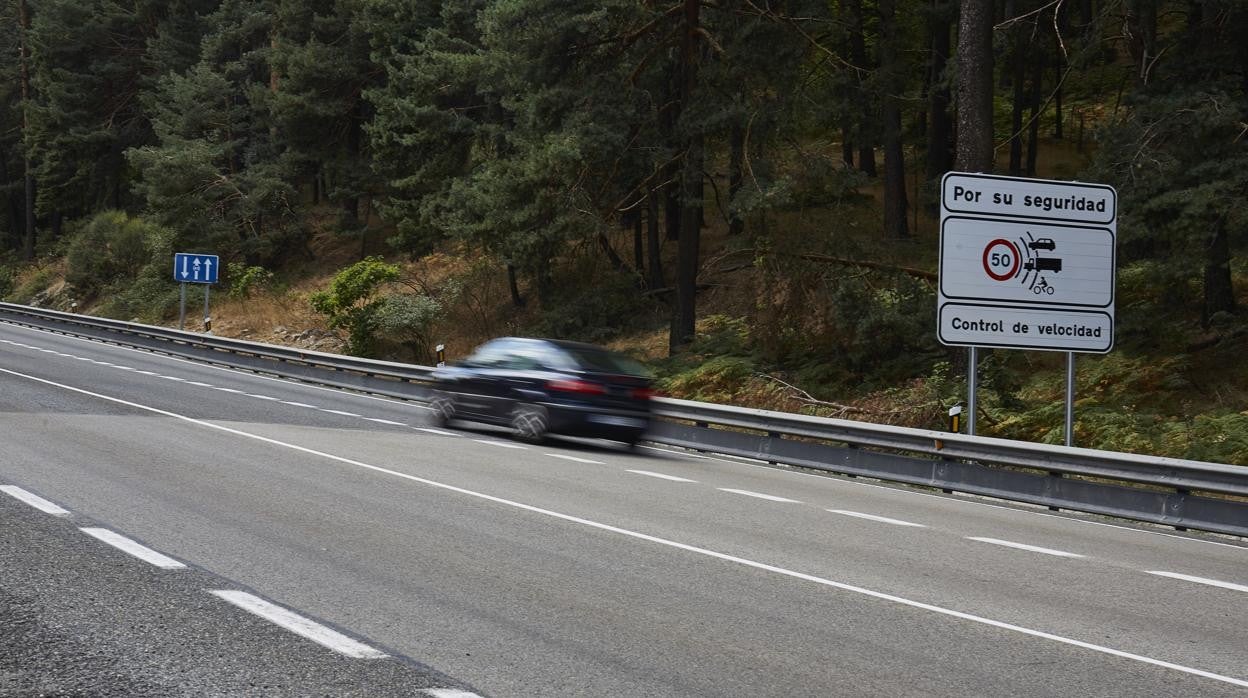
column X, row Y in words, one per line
column 917, row 273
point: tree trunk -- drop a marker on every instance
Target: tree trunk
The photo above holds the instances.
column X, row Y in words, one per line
column 1141, row 31
column 23, row 27
column 1018, row 67
column 1219, row 291
column 895, row 203
column 866, row 117
column 736, row 166
column 685, row 317
column 639, row 250
column 513, row 286
column 653, row 243
column 1033, row 130
column 351, row 203
column 974, row 87
column 939, row 159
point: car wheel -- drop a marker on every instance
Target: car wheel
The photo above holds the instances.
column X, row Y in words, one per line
column 443, row 410
column 530, row 423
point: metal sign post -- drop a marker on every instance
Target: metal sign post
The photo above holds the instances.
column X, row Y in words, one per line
column 1026, row 264
column 1070, row 398
column 191, row 268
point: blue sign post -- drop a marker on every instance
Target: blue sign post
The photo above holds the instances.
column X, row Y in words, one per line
column 191, row 268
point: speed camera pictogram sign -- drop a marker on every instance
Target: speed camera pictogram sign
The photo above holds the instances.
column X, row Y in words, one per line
column 1027, row 263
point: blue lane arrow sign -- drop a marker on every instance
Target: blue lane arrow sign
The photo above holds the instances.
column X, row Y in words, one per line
column 192, row 268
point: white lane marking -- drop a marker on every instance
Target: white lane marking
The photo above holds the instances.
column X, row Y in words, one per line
column 673, row 452
column 449, row 693
column 574, row 459
column 500, row 444
column 894, row 488
column 299, row 625
column 661, row 476
column 341, row 412
column 903, row 490
column 147, row 373
column 759, row 495
column 439, row 432
column 260, row 397
column 140, row 551
column 300, row 404
column 873, row 517
column 1200, row 580
column 636, row 535
column 34, row 500
column 1024, row 546
column 385, row 421
column 175, row 378
column 230, row 390
column 201, row 365
column 126, row 368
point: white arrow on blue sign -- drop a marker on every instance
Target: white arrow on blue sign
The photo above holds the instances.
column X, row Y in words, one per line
column 191, row 268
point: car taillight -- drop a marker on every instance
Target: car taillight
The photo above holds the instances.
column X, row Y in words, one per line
column 576, row 386
column 644, row 393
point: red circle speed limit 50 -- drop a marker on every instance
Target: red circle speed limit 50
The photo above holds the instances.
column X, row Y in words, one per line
column 1001, row 259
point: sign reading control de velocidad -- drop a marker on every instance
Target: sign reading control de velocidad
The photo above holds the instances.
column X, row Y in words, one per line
column 1027, row 263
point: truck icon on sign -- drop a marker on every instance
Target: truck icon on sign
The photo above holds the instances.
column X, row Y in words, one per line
column 1038, row 264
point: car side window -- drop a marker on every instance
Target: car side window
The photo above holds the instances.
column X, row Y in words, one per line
column 489, row 355
column 528, row 356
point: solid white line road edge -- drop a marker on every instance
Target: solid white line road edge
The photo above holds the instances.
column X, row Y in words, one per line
column 34, row 500
column 1200, row 580
column 297, row 624
column 1024, row 546
column 138, row 550
column 948, row 612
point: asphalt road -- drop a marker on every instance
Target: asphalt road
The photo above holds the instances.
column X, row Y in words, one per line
column 579, row 568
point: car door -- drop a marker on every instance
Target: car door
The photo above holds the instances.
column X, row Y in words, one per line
column 476, row 389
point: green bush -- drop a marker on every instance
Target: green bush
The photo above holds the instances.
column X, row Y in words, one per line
column 244, row 279
column 111, row 248
column 351, row 302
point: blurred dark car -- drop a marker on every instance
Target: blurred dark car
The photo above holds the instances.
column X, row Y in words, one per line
column 543, row 386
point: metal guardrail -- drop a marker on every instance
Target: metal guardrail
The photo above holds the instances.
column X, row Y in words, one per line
column 1169, row 491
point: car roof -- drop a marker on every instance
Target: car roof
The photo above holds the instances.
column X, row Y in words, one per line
column 560, row 343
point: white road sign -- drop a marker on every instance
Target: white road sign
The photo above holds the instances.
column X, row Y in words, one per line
column 1027, row 263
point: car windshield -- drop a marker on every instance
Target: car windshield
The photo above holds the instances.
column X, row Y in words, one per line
column 604, row 361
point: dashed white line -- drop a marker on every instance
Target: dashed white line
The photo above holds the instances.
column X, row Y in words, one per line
column 759, row 495
column 261, row 397
column 341, row 412
column 873, row 517
column 138, row 550
column 202, row 385
column 299, row 404
column 449, row 693
column 299, row 625
column 34, row 500
column 574, row 459
column 439, row 432
column 1024, row 546
column 126, row 368
column 1200, row 580
column 147, row 373
column 500, row 444
column 175, row 378
column 637, row 535
column 385, row 421
column 230, row 390
column 661, row 476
